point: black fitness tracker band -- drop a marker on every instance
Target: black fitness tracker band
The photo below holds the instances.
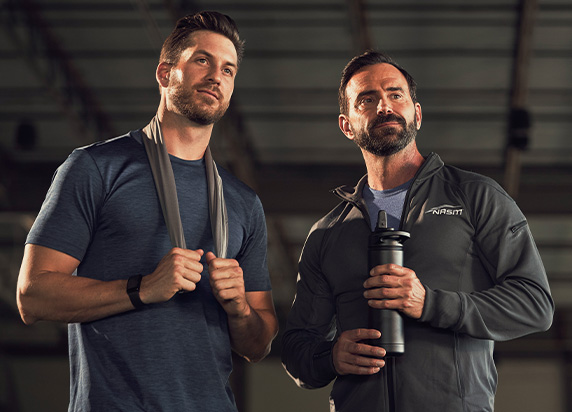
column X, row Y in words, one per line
column 133, row 285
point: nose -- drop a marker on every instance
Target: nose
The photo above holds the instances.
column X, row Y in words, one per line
column 214, row 74
column 383, row 107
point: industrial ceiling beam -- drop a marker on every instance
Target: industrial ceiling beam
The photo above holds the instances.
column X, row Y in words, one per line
column 54, row 68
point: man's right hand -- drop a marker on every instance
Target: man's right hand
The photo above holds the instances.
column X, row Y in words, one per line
column 179, row 270
column 353, row 357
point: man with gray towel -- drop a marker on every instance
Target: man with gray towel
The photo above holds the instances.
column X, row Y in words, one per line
column 155, row 257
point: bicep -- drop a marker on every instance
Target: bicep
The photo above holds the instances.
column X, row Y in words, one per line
column 47, row 290
column 40, row 259
column 42, row 277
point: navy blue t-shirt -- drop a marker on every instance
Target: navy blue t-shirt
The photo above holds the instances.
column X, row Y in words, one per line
column 102, row 208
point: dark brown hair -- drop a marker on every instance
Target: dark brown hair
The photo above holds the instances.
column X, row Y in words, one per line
column 179, row 39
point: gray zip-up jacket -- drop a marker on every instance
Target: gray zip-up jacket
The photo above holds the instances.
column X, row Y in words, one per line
column 471, row 248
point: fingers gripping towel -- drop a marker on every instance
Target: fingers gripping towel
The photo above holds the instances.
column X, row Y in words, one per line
column 167, row 191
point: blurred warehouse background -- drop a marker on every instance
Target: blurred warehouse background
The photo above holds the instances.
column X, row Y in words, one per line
column 495, row 84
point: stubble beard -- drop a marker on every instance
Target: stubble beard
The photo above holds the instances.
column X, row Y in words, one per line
column 386, row 141
column 193, row 108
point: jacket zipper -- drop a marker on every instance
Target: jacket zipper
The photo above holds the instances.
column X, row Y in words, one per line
column 405, row 209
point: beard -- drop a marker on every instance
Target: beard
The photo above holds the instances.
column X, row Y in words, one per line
column 388, row 140
column 193, row 108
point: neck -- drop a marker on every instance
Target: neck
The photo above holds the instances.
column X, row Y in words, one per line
column 183, row 138
column 388, row 172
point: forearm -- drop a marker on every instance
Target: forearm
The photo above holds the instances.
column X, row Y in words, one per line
column 252, row 334
column 307, row 357
column 251, row 316
column 60, row 297
column 507, row 311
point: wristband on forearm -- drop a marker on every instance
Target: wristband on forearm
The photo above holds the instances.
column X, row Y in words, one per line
column 133, row 286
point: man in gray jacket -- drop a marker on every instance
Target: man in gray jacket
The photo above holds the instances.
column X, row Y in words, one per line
column 471, row 275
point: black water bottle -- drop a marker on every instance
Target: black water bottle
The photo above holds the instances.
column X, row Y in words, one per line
column 386, row 246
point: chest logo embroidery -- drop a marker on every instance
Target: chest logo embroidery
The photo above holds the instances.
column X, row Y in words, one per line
column 448, row 210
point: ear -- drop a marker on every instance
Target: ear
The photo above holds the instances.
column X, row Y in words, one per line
column 345, row 127
column 418, row 115
column 162, row 74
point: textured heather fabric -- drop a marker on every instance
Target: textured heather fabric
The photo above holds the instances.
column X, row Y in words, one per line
column 102, row 209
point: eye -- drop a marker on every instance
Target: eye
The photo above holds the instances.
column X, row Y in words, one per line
column 228, row 71
column 396, row 96
column 202, row 60
column 365, row 101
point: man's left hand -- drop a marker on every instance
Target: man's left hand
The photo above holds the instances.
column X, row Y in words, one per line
column 391, row 286
column 227, row 284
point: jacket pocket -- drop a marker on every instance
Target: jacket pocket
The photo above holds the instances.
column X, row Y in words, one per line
column 519, row 226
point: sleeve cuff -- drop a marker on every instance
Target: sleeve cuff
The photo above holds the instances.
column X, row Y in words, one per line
column 442, row 309
column 323, row 362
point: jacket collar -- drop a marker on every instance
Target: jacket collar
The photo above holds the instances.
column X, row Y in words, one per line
column 353, row 194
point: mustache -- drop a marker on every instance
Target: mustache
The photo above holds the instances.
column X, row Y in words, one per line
column 387, row 118
column 211, row 88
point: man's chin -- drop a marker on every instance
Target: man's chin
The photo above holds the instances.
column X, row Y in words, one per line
column 203, row 110
column 205, row 117
column 204, row 120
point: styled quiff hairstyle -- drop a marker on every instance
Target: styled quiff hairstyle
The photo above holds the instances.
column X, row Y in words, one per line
column 370, row 58
column 180, row 38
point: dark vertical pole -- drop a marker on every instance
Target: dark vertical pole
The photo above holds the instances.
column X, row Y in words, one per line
column 519, row 121
column 359, row 27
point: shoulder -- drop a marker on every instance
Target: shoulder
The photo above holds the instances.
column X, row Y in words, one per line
column 126, row 145
column 484, row 198
column 473, row 183
column 333, row 217
column 110, row 157
column 435, row 170
column 327, row 225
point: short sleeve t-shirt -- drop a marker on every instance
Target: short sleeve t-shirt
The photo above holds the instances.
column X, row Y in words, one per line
column 102, row 209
